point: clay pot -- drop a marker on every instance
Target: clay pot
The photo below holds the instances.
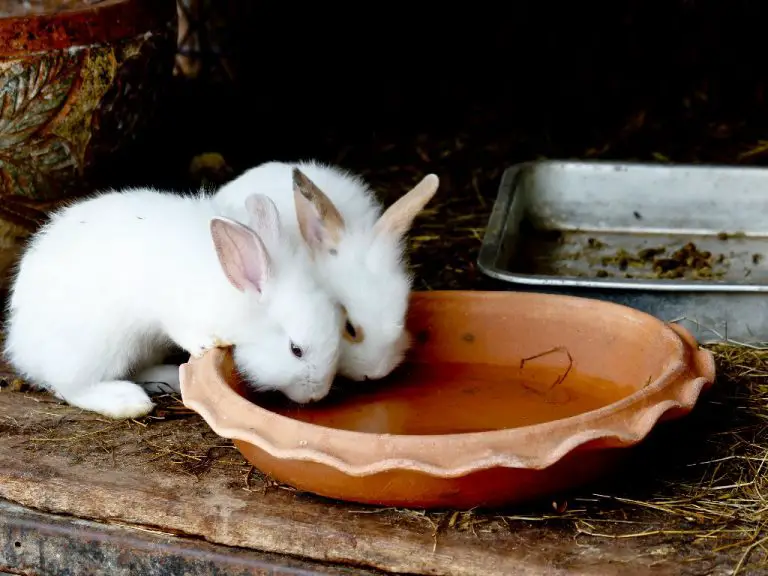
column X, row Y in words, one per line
column 79, row 81
column 504, row 397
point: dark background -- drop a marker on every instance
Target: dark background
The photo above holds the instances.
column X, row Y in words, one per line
column 679, row 80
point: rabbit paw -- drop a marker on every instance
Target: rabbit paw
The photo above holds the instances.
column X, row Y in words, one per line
column 197, row 348
column 118, row 399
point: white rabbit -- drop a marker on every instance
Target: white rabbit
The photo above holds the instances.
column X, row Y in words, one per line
column 111, row 282
column 358, row 252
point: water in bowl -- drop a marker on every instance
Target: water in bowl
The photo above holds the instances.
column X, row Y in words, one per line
column 421, row 399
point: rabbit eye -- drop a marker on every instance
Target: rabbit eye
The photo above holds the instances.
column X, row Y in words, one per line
column 296, row 351
column 353, row 333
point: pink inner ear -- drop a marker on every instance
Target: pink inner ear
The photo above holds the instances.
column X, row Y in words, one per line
column 255, row 265
column 316, row 230
column 310, row 223
column 264, row 217
column 241, row 253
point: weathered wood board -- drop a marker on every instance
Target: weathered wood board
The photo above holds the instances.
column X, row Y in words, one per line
column 39, row 543
column 174, row 475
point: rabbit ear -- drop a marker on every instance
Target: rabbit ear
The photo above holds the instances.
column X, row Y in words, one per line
column 398, row 218
column 264, row 217
column 242, row 254
column 320, row 223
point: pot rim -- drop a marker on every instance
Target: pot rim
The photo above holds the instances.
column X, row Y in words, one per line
column 454, row 455
column 83, row 26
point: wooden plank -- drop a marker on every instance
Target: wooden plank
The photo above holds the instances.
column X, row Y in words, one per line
column 176, row 476
column 33, row 542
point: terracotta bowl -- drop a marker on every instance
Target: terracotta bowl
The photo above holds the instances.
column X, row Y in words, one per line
column 505, row 397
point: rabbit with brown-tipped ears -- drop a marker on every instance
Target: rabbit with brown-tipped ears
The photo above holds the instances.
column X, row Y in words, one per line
column 357, row 249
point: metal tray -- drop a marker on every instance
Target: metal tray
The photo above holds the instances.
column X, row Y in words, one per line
column 616, row 230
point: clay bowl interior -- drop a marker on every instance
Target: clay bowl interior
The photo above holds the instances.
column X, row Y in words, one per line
column 504, row 397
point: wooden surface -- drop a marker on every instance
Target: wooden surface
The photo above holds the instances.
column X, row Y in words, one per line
column 33, row 542
column 174, row 475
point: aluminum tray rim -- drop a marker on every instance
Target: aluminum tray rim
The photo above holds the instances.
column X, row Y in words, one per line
column 497, row 227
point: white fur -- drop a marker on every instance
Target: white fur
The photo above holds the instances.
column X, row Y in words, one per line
column 110, row 282
column 367, row 276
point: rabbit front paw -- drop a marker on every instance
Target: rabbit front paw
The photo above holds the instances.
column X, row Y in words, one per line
column 197, row 347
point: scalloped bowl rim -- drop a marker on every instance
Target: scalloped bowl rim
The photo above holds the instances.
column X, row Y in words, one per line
column 626, row 435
